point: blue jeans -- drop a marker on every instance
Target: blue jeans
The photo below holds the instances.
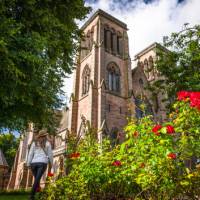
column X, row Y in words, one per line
column 38, row 170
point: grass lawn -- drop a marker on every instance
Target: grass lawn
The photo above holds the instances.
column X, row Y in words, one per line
column 13, row 197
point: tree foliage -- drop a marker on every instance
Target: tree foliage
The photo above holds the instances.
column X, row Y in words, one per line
column 38, row 40
column 179, row 67
column 8, row 145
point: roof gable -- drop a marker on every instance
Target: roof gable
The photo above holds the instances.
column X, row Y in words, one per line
column 100, row 12
column 149, row 48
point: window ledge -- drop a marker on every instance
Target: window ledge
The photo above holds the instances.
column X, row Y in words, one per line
column 114, row 93
column 113, row 53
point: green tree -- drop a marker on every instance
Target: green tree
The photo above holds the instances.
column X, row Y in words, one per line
column 179, row 67
column 9, row 144
column 38, row 42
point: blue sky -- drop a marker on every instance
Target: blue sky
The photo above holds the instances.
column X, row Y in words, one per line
column 147, row 20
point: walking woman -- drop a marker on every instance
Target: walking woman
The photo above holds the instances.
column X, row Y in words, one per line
column 39, row 156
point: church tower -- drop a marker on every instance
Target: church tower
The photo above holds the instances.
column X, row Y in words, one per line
column 102, row 81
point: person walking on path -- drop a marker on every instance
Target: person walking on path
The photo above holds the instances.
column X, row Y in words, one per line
column 39, row 156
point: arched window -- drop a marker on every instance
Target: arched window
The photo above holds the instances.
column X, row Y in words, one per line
column 119, row 43
column 113, row 77
column 83, row 47
column 141, row 83
column 107, row 37
column 88, row 40
column 138, row 110
column 114, row 136
column 91, row 37
column 150, row 63
column 113, row 41
column 151, row 68
column 146, row 68
column 85, row 80
column 118, row 50
column 142, row 107
column 140, row 64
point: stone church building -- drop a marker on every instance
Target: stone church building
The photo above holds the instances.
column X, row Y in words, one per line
column 106, row 91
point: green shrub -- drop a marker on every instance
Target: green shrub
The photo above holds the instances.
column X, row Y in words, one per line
column 149, row 164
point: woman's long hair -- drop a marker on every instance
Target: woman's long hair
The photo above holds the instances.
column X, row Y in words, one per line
column 41, row 141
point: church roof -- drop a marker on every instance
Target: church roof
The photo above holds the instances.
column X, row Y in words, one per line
column 106, row 15
column 150, row 47
column 3, row 161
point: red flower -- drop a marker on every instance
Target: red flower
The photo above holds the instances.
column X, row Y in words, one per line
column 195, row 100
column 135, row 134
column 183, row 95
column 171, row 155
column 71, row 155
column 77, row 155
column 74, row 155
column 116, row 163
column 50, row 174
column 142, row 165
column 156, row 128
column 170, row 129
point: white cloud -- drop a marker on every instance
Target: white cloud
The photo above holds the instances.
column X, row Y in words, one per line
column 148, row 23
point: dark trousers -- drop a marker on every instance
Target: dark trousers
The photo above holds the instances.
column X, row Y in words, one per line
column 38, row 170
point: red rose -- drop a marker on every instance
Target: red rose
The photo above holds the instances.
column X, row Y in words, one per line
column 71, row 155
column 170, row 129
column 135, row 134
column 50, row 174
column 116, row 163
column 74, row 155
column 183, row 95
column 171, row 155
column 195, row 95
column 195, row 100
column 142, row 165
column 156, row 128
column 77, row 155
